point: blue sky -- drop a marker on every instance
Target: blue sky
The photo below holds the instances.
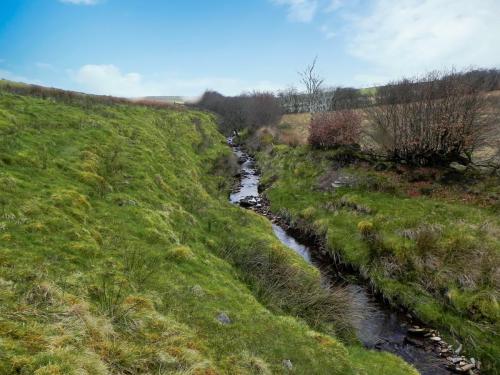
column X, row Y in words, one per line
column 182, row 47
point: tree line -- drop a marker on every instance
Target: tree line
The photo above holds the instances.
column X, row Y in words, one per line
column 429, row 120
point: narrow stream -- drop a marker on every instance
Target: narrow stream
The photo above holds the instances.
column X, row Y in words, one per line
column 383, row 328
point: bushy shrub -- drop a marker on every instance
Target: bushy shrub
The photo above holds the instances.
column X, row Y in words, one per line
column 332, row 129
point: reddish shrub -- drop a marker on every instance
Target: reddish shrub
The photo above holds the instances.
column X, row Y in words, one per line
column 331, row 129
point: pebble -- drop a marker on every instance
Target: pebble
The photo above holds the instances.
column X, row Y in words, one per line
column 468, row 367
column 436, row 338
column 416, row 330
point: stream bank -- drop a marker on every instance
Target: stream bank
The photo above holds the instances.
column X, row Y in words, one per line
column 385, row 328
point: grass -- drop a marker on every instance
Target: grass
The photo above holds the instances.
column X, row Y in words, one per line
column 437, row 256
column 119, row 250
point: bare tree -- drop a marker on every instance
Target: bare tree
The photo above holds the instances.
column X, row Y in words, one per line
column 312, row 82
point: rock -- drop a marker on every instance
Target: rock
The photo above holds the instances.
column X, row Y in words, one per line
column 381, row 167
column 458, row 167
column 223, row 318
column 248, row 201
column 435, row 339
column 484, row 170
column 287, row 364
column 416, row 331
column 415, row 342
column 466, row 368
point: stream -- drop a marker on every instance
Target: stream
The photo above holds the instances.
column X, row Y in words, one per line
column 384, row 327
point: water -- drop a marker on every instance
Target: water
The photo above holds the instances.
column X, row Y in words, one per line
column 383, row 328
column 249, row 186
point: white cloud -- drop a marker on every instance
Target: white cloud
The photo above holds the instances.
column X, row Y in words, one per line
column 8, row 75
column 334, row 5
column 80, row 2
column 110, row 80
column 299, row 10
column 327, row 32
column 412, row 36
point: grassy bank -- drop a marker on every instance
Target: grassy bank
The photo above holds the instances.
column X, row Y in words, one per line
column 119, row 253
column 431, row 247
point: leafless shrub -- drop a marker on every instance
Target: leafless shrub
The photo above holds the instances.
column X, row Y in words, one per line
column 250, row 111
column 331, row 129
column 431, row 120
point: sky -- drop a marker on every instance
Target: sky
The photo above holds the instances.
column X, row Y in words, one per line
column 137, row 48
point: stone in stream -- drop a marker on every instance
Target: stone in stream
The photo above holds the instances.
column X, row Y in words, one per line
column 416, row 331
column 415, row 342
column 249, row 201
column 467, row 367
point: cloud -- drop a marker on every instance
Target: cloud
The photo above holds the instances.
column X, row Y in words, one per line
column 80, row 2
column 8, row 75
column 299, row 10
column 411, row 36
column 110, row 80
column 334, row 5
column 327, row 32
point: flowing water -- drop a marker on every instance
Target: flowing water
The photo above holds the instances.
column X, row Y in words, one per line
column 383, row 328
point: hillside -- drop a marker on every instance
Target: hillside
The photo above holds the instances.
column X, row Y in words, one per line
column 118, row 249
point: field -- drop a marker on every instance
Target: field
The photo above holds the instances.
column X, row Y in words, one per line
column 119, row 253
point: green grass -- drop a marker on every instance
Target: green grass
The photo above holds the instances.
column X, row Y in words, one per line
column 119, row 250
column 440, row 258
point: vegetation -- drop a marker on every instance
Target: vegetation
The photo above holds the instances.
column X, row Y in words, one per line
column 317, row 98
column 332, row 129
column 436, row 119
column 119, row 253
column 247, row 111
column 423, row 244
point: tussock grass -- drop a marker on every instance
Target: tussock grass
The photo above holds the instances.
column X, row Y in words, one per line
column 438, row 256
